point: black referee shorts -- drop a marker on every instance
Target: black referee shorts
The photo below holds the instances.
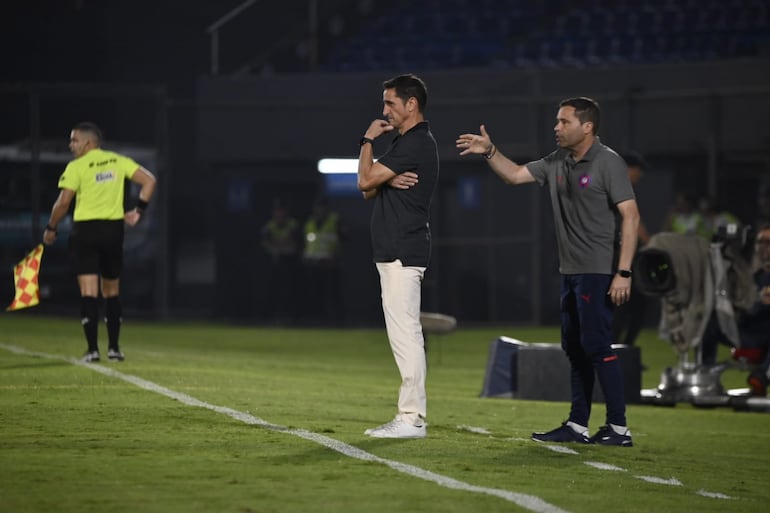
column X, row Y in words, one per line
column 96, row 247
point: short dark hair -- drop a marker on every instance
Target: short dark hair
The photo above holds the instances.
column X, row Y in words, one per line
column 409, row 86
column 91, row 128
column 586, row 109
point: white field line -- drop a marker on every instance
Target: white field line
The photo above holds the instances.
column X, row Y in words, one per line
column 528, row 502
column 474, row 429
column 656, row 480
column 560, row 449
column 604, row 466
column 659, row 480
column 713, row 495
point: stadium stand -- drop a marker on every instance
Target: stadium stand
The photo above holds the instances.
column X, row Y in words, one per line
column 445, row 34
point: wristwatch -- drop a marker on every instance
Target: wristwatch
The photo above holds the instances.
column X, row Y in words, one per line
column 365, row 140
column 625, row 273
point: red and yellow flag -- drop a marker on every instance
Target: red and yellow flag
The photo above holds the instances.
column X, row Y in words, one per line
column 25, row 275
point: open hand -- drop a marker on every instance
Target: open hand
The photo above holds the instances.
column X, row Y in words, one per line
column 474, row 143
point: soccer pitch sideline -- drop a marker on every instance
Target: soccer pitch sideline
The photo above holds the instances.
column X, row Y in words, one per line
column 216, row 418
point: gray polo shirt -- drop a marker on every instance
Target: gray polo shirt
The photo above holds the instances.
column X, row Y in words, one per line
column 583, row 197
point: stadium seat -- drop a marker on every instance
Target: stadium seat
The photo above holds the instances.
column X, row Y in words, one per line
column 507, row 33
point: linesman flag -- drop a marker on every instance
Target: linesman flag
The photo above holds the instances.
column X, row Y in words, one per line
column 25, row 275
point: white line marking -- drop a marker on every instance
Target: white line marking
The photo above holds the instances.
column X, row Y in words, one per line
column 713, row 495
column 560, row 449
column 659, row 480
column 604, row 466
column 528, row 502
column 472, row 429
column 650, row 479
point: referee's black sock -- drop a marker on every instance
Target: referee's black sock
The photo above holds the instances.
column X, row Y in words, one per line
column 113, row 318
column 89, row 314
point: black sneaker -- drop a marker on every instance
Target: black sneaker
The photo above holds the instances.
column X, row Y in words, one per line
column 561, row 435
column 115, row 355
column 90, row 357
column 607, row 436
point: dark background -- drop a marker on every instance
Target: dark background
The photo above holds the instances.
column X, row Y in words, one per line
column 685, row 83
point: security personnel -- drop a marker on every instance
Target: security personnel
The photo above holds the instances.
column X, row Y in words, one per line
column 321, row 262
column 281, row 241
column 321, row 235
column 279, row 235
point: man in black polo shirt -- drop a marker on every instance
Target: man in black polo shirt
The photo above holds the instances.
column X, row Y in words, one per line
column 401, row 183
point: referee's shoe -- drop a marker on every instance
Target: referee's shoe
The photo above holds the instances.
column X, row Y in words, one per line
column 115, row 355
column 90, row 357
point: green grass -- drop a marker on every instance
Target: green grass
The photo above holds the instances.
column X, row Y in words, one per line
column 75, row 440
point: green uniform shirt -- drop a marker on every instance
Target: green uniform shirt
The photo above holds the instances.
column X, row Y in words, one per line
column 98, row 179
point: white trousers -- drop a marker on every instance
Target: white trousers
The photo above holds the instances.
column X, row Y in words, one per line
column 401, row 294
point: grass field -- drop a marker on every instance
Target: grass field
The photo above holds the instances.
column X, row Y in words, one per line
column 217, row 418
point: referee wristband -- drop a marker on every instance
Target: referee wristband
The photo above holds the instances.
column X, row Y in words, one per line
column 50, row 228
column 140, row 205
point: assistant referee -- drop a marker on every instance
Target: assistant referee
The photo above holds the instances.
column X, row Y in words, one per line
column 96, row 178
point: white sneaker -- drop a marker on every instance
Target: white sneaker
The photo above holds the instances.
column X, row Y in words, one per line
column 397, row 428
column 115, row 355
column 90, row 357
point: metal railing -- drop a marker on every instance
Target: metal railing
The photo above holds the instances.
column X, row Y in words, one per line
column 213, row 31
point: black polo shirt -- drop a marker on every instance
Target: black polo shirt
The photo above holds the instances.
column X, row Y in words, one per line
column 400, row 220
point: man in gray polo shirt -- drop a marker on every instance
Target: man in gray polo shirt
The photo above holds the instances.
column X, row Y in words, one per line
column 597, row 219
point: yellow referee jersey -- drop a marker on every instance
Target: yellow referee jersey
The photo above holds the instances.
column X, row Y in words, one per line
column 98, row 179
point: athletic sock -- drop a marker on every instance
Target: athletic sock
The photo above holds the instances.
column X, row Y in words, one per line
column 577, row 428
column 89, row 313
column 113, row 318
column 621, row 430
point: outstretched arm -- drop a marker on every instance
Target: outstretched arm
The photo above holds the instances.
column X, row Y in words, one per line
column 481, row 144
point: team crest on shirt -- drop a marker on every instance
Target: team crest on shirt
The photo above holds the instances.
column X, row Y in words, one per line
column 584, row 181
column 105, row 176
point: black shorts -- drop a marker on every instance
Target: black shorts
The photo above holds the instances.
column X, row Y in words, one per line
column 96, row 247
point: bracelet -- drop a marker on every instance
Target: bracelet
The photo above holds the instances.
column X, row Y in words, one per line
column 140, row 205
column 490, row 151
column 50, row 228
